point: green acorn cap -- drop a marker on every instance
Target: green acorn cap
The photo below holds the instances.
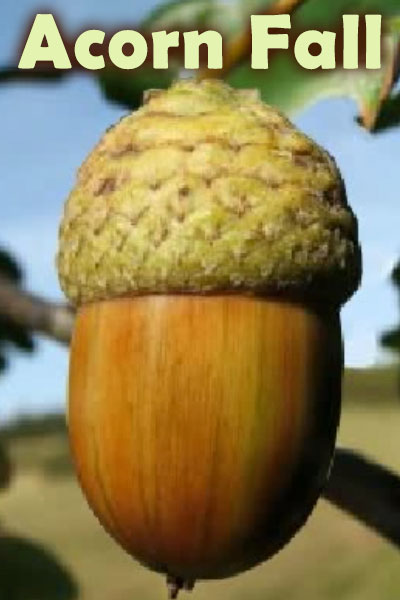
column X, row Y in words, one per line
column 205, row 189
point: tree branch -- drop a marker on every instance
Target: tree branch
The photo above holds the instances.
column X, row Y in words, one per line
column 54, row 320
column 368, row 491
column 239, row 48
column 13, row 74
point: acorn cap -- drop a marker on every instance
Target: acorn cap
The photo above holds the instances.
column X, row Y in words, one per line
column 205, row 189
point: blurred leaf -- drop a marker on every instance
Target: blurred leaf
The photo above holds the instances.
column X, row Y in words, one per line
column 391, row 339
column 9, row 267
column 5, row 467
column 285, row 84
column 315, row 12
column 181, row 13
column 396, row 276
column 29, row 572
column 12, row 333
column 374, row 89
column 126, row 88
column 184, row 15
column 291, row 88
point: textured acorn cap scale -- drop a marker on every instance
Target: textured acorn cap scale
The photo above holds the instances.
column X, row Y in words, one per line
column 207, row 189
column 208, row 245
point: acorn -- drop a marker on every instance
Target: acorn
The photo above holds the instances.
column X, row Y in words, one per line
column 208, row 246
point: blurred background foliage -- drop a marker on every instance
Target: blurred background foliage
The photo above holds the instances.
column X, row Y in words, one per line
column 13, row 336
column 391, row 339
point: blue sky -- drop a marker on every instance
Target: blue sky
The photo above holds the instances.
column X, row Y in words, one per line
column 46, row 132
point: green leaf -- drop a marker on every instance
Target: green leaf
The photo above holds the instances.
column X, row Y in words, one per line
column 185, row 15
column 373, row 90
column 12, row 334
column 180, row 14
column 394, row 25
column 285, row 84
column 391, row 339
column 291, row 88
column 127, row 88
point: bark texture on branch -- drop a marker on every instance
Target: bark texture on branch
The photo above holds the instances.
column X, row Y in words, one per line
column 368, row 491
column 51, row 319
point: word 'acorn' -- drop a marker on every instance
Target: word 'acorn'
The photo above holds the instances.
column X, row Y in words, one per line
column 208, row 246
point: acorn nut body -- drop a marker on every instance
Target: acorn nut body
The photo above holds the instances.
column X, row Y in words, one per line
column 208, row 246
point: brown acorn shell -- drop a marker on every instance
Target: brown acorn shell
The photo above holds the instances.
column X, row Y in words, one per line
column 203, row 427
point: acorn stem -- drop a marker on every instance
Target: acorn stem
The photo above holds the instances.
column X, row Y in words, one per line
column 188, row 585
column 176, row 584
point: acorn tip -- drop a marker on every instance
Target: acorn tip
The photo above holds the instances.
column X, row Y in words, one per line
column 176, row 584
